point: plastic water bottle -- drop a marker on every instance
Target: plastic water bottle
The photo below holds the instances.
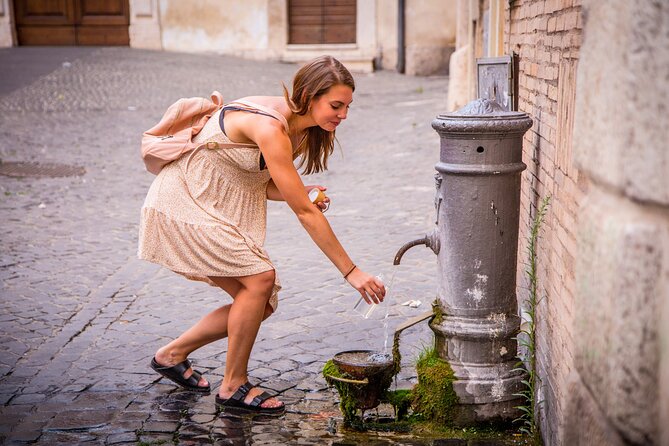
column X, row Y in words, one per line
column 363, row 308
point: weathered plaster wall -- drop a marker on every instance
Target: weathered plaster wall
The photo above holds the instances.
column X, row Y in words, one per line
column 222, row 26
column 7, row 34
column 430, row 36
column 621, row 331
column 461, row 81
column 386, row 35
column 144, row 27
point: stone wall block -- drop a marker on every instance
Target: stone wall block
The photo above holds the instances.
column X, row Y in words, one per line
column 586, row 425
column 144, row 27
column 426, row 61
column 7, row 35
column 620, row 281
column 624, row 65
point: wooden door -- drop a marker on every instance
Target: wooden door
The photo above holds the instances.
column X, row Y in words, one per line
column 72, row 22
column 322, row 21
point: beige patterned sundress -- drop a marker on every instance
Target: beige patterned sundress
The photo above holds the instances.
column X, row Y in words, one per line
column 205, row 213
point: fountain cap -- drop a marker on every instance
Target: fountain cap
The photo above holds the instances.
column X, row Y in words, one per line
column 481, row 116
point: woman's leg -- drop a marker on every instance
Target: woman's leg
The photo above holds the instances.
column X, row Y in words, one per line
column 212, row 327
column 244, row 319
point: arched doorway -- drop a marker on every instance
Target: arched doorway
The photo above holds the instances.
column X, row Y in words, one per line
column 72, row 22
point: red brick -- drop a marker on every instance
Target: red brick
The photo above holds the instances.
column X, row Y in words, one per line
column 559, row 26
column 550, row 27
column 552, row 92
column 570, row 20
column 522, row 26
column 551, row 6
column 543, row 88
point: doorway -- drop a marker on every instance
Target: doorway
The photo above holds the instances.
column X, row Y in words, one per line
column 72, row 22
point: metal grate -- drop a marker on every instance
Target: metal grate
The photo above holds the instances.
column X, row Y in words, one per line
column 20, row 169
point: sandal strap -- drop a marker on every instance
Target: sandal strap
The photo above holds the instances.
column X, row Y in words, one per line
column 193, row 380
column 242, row 391
column 179, row 368
column 259, row 399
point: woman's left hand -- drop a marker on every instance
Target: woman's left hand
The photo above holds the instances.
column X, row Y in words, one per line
column 324, row 204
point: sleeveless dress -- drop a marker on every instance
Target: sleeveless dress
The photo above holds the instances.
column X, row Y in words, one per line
column 205, row 214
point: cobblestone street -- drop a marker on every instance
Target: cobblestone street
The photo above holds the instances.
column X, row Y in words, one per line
column 82, row 317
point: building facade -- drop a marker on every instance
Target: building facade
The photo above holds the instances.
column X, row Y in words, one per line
column 364, row 34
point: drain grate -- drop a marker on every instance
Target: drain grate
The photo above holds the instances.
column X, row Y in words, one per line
column 19, row 169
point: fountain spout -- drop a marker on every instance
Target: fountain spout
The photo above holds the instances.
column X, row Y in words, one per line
column 430, row 240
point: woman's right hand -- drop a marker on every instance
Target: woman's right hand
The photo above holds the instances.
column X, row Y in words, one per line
column 370, row 288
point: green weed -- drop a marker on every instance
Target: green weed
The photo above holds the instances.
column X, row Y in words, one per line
column 526, row 337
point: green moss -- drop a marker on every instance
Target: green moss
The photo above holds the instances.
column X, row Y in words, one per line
column 397, row 356
column 486, row 433
column 401, row 402
column 346, row 401
column 433, row 396
column 438, row 313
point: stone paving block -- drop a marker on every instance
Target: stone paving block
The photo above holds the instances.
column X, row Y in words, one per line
column 97, row 400
column 152, row 438
column 124, row 437
column 195, row 440
column 5, row 397
column 67, row 438
column 42, row 416
column 263, row 373
column 29, row 398
column 27, row 432
column 202, row 418
column 160, row 426
column 278, row 386
column 80, row 420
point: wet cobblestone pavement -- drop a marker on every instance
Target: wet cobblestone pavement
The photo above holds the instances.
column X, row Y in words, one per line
column 81, row 317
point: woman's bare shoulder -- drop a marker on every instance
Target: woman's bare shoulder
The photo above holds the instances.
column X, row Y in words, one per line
column 277, row 103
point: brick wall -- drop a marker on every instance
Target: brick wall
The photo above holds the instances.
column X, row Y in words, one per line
column 546, row 36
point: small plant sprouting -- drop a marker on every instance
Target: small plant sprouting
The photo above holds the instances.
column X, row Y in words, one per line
column 526, row 337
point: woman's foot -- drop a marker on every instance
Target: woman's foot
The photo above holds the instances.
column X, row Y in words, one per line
column 227, row 391
column 165, row 359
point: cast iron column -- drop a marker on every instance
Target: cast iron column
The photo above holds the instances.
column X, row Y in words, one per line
column 478, row 202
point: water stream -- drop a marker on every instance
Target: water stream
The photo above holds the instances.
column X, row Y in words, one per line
column 387, row 301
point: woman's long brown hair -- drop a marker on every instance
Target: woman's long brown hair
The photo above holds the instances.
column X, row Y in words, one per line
column 314, row 79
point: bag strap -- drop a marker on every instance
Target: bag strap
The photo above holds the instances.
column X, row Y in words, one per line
column 275, row 114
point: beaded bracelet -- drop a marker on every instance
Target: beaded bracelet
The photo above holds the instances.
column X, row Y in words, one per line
column 350, row 271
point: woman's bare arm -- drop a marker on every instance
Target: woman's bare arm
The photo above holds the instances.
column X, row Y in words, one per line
column 273, row 192
column 276, row 148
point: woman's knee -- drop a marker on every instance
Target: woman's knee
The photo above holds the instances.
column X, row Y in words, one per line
column 262, row 283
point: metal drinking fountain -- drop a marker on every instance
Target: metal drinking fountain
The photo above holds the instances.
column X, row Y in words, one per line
column 476, row 242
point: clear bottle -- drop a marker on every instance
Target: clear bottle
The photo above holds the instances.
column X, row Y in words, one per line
column 363, row 308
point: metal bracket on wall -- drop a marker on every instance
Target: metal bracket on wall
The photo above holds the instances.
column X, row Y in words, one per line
column 495, row 80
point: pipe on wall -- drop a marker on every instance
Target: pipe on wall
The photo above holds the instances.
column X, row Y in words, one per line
column 401, row 27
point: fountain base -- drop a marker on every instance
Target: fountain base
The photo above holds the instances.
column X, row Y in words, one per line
column 487, row 390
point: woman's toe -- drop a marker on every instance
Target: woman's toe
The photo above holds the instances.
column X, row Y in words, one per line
column 271, row 403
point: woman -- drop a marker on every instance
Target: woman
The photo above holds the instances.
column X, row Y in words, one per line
column 204, row 217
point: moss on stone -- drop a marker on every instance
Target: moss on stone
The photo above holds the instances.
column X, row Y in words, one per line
column 433, row 397
column 400, row 400
column 347, row 403
column 438, row 313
